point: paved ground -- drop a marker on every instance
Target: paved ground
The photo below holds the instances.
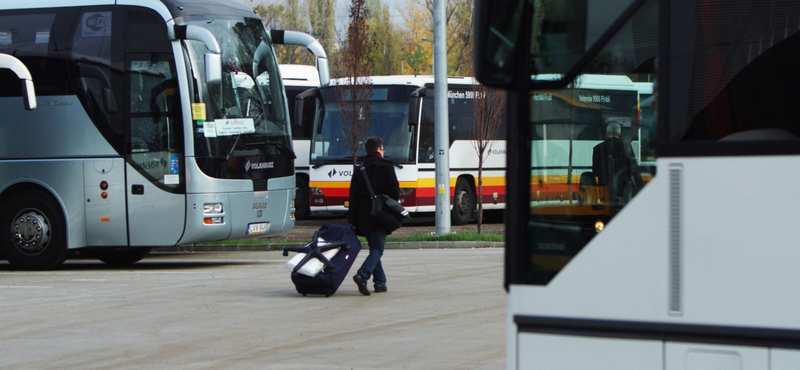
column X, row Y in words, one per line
column 239, row 310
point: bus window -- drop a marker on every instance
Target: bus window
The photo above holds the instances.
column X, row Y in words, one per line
column 585, row 151
column 155, row 134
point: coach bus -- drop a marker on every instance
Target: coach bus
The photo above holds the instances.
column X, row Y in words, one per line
column 298, row 78
column 698, row 269
column 409, row 143
column 158, row 123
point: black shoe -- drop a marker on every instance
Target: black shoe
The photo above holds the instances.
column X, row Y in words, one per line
column 381, row 289
column 362, row 285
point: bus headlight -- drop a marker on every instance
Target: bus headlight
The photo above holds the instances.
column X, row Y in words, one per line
column 598, row 226
column 315, row 191
column 209, row 208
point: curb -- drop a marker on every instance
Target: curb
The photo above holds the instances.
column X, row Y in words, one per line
column 279, row 247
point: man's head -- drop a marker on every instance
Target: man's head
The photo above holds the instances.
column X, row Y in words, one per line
column 373, row 144
column 613, row 130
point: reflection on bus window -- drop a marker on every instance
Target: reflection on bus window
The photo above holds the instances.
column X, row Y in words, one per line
column 585, row 150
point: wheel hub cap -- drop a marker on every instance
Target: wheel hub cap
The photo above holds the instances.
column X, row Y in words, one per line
column 30, row 232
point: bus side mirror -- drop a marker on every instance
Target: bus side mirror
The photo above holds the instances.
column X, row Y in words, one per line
column 28, row 94
column 213, row 59
column 297, row 125
column 213, row 68
column 414, row 108
column 543, row 38
column 497, row 32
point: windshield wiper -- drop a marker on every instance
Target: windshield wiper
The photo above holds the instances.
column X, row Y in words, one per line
column 232, row 149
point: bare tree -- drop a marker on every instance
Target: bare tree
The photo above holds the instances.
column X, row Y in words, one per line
column 488, row 106
column 354, row 93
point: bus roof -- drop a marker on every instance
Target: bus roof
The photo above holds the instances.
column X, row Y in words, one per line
column 644, row 87
column 590, row 81
column 413, row 80
column 175, row 9
column 190, row 9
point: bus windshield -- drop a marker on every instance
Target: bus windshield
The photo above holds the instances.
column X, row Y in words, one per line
column 243, row 116
column 389, row 121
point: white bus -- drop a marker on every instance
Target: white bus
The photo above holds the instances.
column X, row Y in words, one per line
column 158, row 123
column 298, row 78
column 409, row 143
column 699, row 269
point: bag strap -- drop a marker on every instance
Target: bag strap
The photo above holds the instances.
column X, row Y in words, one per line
column 366, row 179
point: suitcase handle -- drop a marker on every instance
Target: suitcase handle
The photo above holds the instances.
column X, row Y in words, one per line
column 312, row 250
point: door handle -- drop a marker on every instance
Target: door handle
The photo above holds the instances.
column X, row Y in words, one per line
column 137, row 189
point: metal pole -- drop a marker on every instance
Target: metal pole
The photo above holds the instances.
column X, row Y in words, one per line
column 442, row 142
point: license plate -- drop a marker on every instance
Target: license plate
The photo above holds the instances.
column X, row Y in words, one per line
column 258, row 228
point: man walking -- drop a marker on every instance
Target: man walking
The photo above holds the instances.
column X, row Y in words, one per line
column 380, row 173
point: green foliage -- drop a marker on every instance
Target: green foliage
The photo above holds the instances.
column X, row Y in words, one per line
column 467, row 236
column 387, row 54
column 388, row 48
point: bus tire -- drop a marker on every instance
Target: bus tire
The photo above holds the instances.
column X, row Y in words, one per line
column 120, row 256
column 34, row 233
column 301, row 198
column 463, row 202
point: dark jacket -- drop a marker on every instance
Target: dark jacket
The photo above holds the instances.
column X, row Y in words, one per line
column 615, row 155
column 383, row 180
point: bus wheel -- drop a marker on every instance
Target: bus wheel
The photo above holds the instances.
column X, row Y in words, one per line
column 119, row 256
column 463, row 202
column 301, row 206
column 35, row 235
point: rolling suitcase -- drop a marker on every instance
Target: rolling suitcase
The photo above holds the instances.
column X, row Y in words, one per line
column 321, row 265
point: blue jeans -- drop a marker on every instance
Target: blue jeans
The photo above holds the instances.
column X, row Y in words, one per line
column 376, row 239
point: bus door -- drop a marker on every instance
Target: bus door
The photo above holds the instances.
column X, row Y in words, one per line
column 155, row 180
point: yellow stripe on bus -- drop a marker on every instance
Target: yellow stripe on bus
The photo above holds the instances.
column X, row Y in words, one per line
column 420, row 183
column 430, row 182
column 329, row 184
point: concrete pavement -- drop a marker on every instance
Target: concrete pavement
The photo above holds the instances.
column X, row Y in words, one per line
column 445, row 309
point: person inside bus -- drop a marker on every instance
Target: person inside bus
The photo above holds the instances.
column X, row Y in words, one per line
column 426, row 151
column 380, row 174
column 614, row 165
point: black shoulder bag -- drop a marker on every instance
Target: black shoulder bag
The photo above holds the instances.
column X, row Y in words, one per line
column 386, row 211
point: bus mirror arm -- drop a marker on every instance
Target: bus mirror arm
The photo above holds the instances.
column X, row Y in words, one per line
column 282, row 37
column 213, row 58
column 22, row 72
column 414, row 107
